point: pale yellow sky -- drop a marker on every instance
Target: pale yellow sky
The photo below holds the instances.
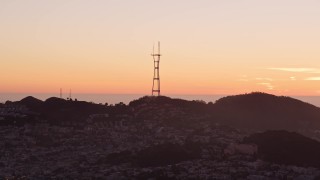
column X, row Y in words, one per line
column 208, row 46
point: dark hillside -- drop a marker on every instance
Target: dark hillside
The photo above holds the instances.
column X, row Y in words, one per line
column 32, row 103
column 167, row 111
column 56, row 110
column 160, row 101
column 254, row 111
column 265, row 111
column 286, row 148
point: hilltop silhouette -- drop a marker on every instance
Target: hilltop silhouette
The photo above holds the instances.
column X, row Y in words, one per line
column 265, row 111
column 254, row 111
column 56, row 110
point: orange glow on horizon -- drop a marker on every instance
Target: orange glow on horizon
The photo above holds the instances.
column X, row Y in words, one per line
column 208, row 47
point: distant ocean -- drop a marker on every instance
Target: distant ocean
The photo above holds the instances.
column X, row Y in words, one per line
column 126, row 98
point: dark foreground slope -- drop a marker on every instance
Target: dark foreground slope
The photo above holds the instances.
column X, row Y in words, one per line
column 287, row 148
column 159, row 138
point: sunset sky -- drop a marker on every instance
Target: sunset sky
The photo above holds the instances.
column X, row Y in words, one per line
column 208, row 46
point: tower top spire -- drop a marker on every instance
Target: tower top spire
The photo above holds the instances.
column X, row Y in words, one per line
column 158, row 53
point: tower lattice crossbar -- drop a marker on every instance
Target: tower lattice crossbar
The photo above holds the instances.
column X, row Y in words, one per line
column 156, row 76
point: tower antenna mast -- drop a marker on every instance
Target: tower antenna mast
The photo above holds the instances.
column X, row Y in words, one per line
column 156, row 74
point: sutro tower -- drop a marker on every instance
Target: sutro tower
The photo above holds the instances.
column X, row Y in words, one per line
column 156, row 77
